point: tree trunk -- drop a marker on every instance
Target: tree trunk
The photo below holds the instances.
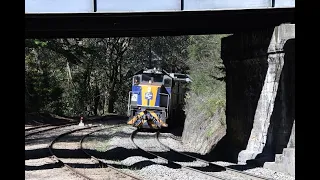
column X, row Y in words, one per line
column 112, row 92
column 111, row 101
column 104, row 104
column 96, row 100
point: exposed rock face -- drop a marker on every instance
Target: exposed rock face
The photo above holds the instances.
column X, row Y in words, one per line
column 200, row 133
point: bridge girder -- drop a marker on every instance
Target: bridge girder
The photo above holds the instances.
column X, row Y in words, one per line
column 153, row 24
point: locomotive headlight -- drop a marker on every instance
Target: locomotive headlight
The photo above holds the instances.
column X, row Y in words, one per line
column 134, row 97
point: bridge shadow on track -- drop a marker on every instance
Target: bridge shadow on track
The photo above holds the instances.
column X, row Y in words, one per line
column 116, row 155
column 42, row 167
column 210, row 168
column 36, row 153
column 243, row 167
column 119, row 154
column 176, row 157
column 136, row 166
column 212, row 158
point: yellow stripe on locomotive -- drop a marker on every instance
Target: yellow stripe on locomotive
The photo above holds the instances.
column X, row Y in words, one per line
column 150, row 93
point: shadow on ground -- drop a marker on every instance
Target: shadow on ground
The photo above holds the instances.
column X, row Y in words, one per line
column 116, row 155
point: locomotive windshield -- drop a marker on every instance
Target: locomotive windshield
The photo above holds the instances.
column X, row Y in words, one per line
column 158, row 78
column 136, row 80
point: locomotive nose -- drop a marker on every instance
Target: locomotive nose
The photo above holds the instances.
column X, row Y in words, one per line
column 144, row 110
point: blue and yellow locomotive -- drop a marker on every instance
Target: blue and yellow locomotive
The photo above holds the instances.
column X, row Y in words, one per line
column 156, row 97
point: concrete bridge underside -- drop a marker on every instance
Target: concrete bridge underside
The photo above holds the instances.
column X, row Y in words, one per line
column 154, row 23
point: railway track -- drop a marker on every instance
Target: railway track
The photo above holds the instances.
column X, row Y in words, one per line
column 229, row 171
column 37, row 127
column 94, row 168
column 45, row 128
column 99, row 160
column 156, row 155
column 48, row 127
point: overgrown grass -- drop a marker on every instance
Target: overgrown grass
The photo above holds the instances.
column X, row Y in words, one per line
column 212, row 99
column 207, row 72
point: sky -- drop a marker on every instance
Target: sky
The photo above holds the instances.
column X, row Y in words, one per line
column 84, row 6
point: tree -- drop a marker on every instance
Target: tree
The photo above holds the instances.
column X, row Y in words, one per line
column 92, row 76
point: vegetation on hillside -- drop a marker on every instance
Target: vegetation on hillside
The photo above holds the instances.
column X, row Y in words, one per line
column 207, row 71
column 205, row 122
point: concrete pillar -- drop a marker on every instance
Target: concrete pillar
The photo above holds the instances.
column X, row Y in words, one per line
column 285, row 162
column 292, row 142
column 245, row 58
column 265, row 107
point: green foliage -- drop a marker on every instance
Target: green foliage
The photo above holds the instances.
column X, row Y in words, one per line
column 207, row 71
column 43, row 92
column 92, row 76
column 40, row 43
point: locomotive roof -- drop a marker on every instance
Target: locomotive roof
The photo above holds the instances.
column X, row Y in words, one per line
column 152, row 71
column 176, row 76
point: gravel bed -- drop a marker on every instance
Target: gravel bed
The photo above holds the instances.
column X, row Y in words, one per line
column 136, row 164
column 109, row 139
column 103, row 174
column 178, row 146
column 51, row 174
column 43, row 139
column 223, row 163
column 87, row 166
column 263, row 172
column 269, row 173
column 159, row 172
column 120, row 152
column 26, row 127
column 148, row 142
column 45, row 167
column 71, row 141
column 27, row 132
column 38, row 162
column 174, row 143
column 135, row 159
column 51, row 133
column 38, row 165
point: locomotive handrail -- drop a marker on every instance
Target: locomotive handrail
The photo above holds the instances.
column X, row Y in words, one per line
column 167, row 102
column 129, row 102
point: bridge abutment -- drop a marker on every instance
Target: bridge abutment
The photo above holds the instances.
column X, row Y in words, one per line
column 260, row 92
